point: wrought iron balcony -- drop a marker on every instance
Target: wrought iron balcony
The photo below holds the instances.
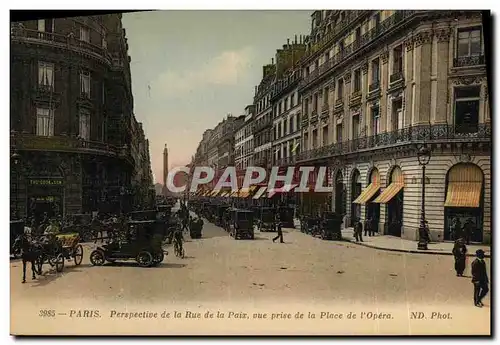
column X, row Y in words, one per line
column 468, row 61
column 396, row 76
column 325, row 110
column 367, row 38
column 355, row 97
column 314, row 116
column 19, row 33
column 45, row 88
column 20, row 141
column 374, row 86
column 339, row 103
column 305, row 122
column 409, row 135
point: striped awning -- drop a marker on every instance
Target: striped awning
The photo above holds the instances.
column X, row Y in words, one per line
column 260, row 193
column 233, row 194
column 389, row 193
column 284, row 189
column 244, row 192
column 463, row 194
column 367, row 194
column 215, row 192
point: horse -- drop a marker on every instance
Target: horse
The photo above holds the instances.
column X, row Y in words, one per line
column 30, row 252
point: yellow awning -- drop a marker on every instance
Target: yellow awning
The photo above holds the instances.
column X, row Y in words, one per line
column 260, row 193
column 463, row 194
column 214, row 192
column 367, row 194
column 244, row 192
column 389, row 193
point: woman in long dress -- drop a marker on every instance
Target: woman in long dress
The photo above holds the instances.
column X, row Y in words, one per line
column 460, row 254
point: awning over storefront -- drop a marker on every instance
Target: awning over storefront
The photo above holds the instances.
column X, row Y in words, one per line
column 463, row 194
column 214, row 193
column 284, row 189
column 389, row 193
column 260, row 193
column 367, row 194
column 244, row 192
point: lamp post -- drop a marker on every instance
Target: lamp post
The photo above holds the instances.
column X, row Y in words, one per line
column 15, row 160
column 424, row 156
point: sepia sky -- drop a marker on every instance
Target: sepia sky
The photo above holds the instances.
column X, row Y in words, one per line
column 199, row 66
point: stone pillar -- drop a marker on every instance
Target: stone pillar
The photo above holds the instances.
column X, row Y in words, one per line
column 441, row 82
column 384, row 85
column 423, row 58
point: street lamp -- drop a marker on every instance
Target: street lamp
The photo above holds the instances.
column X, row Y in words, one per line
column 424, row 156
column 15, row 160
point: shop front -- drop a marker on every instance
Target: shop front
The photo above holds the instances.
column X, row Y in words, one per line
column 365, row 199
column 393, row 196
column 45, row 196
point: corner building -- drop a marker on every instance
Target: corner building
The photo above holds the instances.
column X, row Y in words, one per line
column 71, row 116
column 383, row 82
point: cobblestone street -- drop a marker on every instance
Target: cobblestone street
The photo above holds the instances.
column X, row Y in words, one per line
column 219, row 269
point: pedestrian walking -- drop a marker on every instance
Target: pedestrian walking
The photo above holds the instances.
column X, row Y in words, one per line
column 479, row 278
column 457, row 228
column 467, row 229
column 369, row 227
column 277, row 224
column 358, row 230
column 459, row 252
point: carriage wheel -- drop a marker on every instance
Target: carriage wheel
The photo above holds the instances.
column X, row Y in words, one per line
column 158, row 257
column 97, row 258
column 59, row 262
column 144, row 259
column 78, row 254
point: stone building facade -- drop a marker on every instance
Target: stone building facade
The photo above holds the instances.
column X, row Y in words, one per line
column 243, row 141
column 377, row 85
column 71, row 115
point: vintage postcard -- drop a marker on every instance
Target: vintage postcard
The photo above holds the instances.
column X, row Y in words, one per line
column 323, row 172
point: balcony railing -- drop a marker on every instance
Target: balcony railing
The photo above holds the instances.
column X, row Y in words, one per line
column 374, row 86
column 414, row 134
column 339, row 103
column 371, row 35
column 69, row 41
column 314, row 116
column 262, row 125
column 62, row 143
column 305, row 122
column 284, row 84
column 468, row 61
column 396, row 76
column 285, row 161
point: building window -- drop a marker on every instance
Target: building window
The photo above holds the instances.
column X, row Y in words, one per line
column 279, row 108
column 84, row 127
column 285, row 127
column 286, row 104
column 292, row 100
column 469, row 42
column 85, row 84
column 340, row 89
column 104, row 131
column 46, row 75
column 397, row 65
column 357, row 80
column 355, row 126
column 326, row 92
column 291, row 125
column 325, row 135
column 306, row 141
column 315, row 139
column 341, row 45
column 375, row 120
column 339, row 132
column 358, row 35
column 45, row 25
column 104, row 41
column 316, row 101
column 375, row 71
column 44, row 122
column 84, row 34
column 467, row 109
column 306, row 107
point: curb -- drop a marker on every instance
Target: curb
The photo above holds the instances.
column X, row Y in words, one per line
column 412, row 251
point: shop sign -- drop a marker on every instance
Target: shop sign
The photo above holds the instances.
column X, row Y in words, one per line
column 45, row 198
column 45, row 182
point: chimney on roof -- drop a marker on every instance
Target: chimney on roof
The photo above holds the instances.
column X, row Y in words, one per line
column 295, row 41
column 272, row 61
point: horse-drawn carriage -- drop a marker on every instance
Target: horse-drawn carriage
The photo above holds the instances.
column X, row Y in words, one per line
column 220, row 214
column 330, row 226
column 286, row 216
column 142, row 242
column 309, row 225
column 240, row 223
column 195, row 228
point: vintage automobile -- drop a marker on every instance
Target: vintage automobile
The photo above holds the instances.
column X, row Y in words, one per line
column 266, row 220
column 241, row 223
column 16, row 230
column 221, row 210
column 310, row 225
column 142, row 242
column 195, row 228
column 329, row 226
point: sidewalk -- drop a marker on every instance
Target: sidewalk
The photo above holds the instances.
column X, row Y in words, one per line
column 396, row 244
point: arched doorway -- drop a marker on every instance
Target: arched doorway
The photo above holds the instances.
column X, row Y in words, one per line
column 464, row 201
column 340, row 195
column 373, row 208
column 355, row 192
column 392, row 196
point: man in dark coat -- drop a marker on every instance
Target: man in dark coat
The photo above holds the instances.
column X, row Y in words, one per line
column 479, row 278
column 277, row 224
column 459, row 252
column 358, row 230
column 369, row 227
column 457, row 228
column 467, row 230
